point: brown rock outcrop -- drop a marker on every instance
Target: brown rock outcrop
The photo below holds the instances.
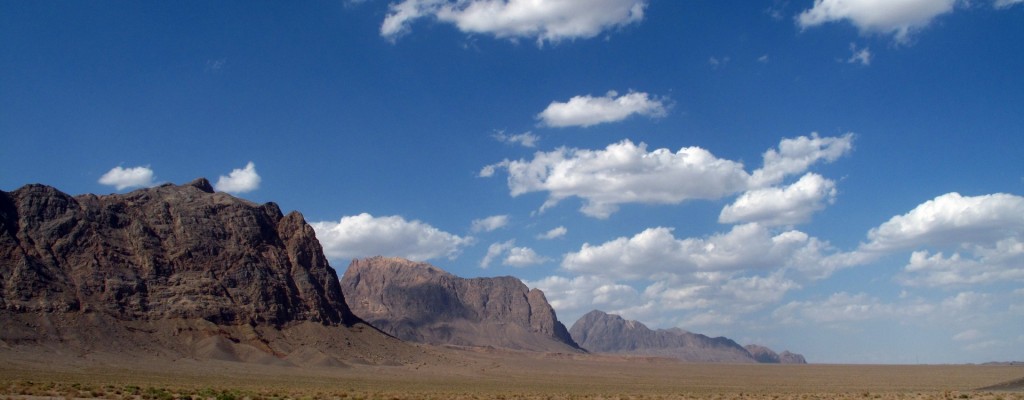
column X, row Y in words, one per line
column 180, row 264
column 422, row 303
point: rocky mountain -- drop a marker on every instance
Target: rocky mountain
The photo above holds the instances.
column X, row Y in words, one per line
column 422, row 303
column 180, row 270
column 600, row 332
column 765, row 355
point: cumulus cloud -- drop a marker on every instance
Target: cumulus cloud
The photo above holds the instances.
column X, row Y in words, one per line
column 952, row 219
column 525, row 139
column 773, row 206
column 514, row 256
column 240, row 180
column 553, row 233
column 364, row 235
column 665, row 304
column 523, row 257
column 489, row 224
column 625, row 172
column 796, row 155
column 656, row 253
column 122, row 178
column 588, row 110
column 899, row 18
column 1003, row 262
column 550, row 21
column 574, row 296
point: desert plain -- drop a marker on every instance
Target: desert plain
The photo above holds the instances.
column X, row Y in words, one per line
column 436, row 372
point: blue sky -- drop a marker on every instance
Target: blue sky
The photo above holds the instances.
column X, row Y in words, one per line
column 841, row 178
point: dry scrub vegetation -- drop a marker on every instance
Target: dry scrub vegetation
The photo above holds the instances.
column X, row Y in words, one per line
column 476, row 375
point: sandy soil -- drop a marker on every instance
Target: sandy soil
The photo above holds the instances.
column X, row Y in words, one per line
column 444, row 372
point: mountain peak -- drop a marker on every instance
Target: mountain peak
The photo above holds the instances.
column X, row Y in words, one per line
column 422, row 303
column 201, row 184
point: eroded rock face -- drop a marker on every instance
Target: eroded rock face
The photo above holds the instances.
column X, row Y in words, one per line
column 169, row 252
column 422, row 303
column 600, row 332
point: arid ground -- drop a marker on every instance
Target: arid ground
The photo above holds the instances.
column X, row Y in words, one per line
column 451, row 373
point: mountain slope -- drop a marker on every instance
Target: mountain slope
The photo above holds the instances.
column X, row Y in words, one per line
column 601, row 332
column 178, row 270
column 422, row 303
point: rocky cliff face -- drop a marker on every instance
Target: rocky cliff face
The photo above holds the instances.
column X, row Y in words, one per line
column 600, row 332
column 216, row 265
column 422, row 303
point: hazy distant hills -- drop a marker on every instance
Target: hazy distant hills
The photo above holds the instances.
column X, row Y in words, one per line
column 422, row 303
column 179, row 271
column 600, row 332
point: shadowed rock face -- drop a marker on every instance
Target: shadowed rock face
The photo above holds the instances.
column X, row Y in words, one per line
column 422, row 303
column 169, row 252
column 600, row 332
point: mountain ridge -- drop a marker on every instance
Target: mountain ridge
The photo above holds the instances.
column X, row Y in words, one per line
column 419, row 302
column 179, row 270
column 600, row 332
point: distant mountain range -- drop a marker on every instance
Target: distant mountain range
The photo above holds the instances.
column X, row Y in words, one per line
column 598, row 331
column 183, row 272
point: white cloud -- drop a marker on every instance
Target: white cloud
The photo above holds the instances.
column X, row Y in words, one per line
column 574, row 296
column 1007, row 3
column 796, row 155
column 859, row 56
column 952, row 219
column 625, row 172
column 588, row 110
column 489, row 224
column 897, row 17
column 553, row 233
column 525, row 139
column 763, row 59
column 781, row 206
column 364, row 235
column 1003, row 262
column 122, row 178
column 661, row 303
column 551, row 21
column 523, row 257
column 656, row 254
column 240, row 180
column 495, row 250
column 514, row 256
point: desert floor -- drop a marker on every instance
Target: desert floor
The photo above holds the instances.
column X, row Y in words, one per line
column 451, row 373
